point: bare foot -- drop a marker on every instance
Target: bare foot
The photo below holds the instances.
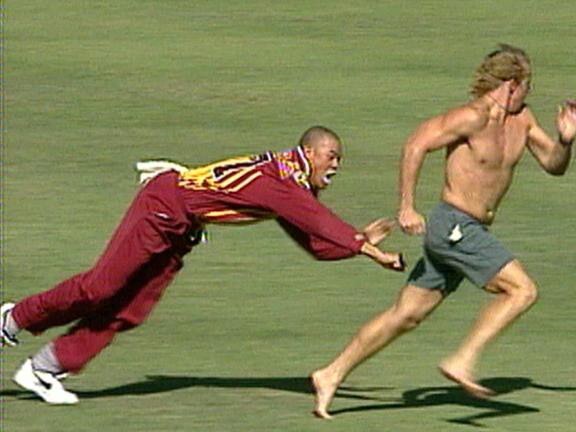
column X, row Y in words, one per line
column 324, row 392
column 462, row 377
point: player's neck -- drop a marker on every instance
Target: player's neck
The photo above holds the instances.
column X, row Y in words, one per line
column 494, row 102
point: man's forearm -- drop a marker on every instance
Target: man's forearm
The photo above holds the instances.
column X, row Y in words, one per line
column 560, row 159
column 301, row 209
column 393, row 261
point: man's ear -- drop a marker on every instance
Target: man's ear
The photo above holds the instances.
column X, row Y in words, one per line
column 308, row 151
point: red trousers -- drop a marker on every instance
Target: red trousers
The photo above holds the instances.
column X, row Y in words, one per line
column 120, row 290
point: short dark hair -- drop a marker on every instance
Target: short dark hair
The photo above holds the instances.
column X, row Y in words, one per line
column 315, row 133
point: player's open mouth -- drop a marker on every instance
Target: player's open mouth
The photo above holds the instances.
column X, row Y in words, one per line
column 327, row 179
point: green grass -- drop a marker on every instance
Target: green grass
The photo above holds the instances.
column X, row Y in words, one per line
column 92, row 86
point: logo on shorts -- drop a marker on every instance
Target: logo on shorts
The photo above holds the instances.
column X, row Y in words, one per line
column 456, row 234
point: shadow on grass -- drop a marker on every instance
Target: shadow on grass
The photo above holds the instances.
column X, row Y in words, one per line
column 417, row 398
column 452, row 395
column 168, row 383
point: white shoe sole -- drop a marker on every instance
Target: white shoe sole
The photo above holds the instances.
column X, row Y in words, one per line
column 44, row 385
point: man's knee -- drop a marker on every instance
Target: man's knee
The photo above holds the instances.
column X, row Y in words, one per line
column 408, row 319
column 513, row 281
column 522, row 291
column 99, row 285
column 527, row 293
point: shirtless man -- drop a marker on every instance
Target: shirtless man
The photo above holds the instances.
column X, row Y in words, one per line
column 484, row 141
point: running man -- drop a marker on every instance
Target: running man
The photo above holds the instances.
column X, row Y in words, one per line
column 484, row 140
column 165, row 221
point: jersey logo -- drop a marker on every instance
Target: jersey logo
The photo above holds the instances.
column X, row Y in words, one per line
column 289, row 166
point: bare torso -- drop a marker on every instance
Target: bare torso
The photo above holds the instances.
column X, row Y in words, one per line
column 479, row 170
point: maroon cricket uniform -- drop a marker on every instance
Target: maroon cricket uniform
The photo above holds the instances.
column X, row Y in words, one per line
column 163, row 223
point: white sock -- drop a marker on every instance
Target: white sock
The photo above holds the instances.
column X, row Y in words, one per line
column 45, row 360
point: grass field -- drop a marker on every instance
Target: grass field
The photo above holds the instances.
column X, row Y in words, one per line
column 92, row 86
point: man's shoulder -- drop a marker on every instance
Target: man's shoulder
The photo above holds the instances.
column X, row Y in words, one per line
column 290, row 166
column 464, row 119
column 472, row 112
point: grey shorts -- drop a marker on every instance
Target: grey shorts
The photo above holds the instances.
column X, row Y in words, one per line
column 457, row 246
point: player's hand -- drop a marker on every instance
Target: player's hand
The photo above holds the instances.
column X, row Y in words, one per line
column 566, row 121
column 376, row 231
column 394, row 261
column 411, row 222
column 390, row 260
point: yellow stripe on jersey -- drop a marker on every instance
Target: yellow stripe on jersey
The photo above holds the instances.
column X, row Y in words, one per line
column 235, row 216
column 229, row 175
column 245, row 182
column 232, row 178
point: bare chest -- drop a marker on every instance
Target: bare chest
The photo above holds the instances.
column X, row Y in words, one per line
column 499, row 145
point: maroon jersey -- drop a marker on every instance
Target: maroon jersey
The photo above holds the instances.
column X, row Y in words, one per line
column 146, row 251
column 269, row 185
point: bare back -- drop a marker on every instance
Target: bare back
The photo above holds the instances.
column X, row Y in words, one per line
column 479, row 168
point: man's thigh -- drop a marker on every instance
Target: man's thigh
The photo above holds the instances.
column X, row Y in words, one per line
column 417, row 301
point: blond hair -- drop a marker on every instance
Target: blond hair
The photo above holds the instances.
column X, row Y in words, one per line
column 504, row 64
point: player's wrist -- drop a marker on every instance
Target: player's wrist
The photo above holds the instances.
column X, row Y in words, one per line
column 406, row 210
column 368, row 249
